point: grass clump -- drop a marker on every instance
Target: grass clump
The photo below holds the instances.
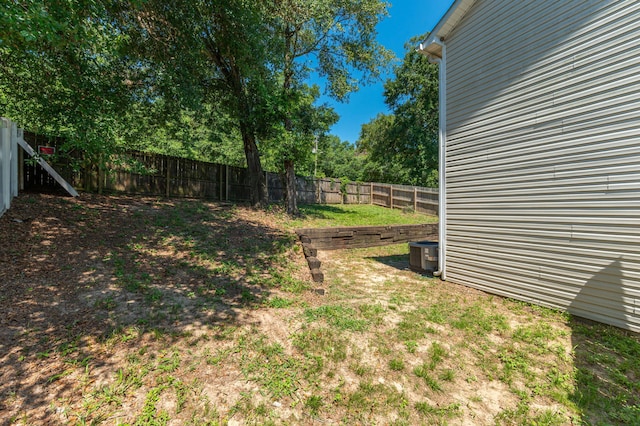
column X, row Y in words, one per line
column 433, row 412
column 341, row 317
column 266, row 363
column 396, row 364
column 320, row 344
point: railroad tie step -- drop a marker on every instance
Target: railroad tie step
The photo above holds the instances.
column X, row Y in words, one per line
column 317, row 275
column 308, row 251
column 314, row 262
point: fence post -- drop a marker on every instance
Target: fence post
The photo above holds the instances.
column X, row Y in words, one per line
column 415, row 199
column 14, row 160
column 226, row 197
column 168, row 166
column 5, row 172
column 391, row 196
column 370, row 192
column 20, row 162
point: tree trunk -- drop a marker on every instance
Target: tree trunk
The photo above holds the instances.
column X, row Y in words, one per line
column 290, row 184
column 291, row 198
column 243, row 111
column 258, row 183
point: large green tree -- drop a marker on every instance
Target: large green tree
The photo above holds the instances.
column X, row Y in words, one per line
column 335, row 39
column 220, row 52
column 62, row 72
column 336, row 158
column 103, row 72
column 381, row 161
column 292, row 140
column 403, row 147
column 206, row 133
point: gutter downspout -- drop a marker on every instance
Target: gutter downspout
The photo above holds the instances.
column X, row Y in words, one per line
column 442, row 181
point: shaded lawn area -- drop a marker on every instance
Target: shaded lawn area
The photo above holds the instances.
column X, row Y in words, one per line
column 134, row 310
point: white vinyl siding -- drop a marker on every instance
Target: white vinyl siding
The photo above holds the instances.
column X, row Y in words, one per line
column 543, row 154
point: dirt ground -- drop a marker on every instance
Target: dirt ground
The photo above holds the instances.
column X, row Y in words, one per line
column 63, row 261
column 139, row 310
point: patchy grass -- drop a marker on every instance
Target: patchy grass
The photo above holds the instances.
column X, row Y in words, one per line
column 156, row 312
column 320, row 216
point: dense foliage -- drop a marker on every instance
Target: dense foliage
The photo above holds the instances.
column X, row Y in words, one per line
column 63, row 71
column 223, row 81
column 403, row 147
column 183, row 77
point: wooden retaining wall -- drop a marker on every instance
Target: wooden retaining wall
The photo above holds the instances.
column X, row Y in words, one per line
column 314, row 239
column 366, row 236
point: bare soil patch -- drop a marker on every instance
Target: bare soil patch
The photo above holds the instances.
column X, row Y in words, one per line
column 85, row 283
column 138, row 310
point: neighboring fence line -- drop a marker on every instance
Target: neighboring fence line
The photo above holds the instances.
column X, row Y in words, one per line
column 157, row 174
column 419, row 199
column 199, row 179
column 9, row 153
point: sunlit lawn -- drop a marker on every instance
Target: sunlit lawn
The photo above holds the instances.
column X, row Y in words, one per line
column 318, row 216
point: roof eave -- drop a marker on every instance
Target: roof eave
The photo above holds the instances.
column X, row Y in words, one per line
column 432, row 46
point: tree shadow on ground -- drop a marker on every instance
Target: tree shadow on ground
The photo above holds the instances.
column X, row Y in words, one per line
column 318, row 211
column 77, row 273
column 397, row 261
column 400, row 262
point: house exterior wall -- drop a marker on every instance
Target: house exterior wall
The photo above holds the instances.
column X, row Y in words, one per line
column 543, row 154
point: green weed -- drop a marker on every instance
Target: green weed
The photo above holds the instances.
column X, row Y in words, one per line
column 514, row 361
column 323, row 342
column 396, row 364
column 278, row 302
column 150, row 415
column 428, row 410
column 267, row 364
column 314, row 403
column 169, row 363
column 424, row 371
column 476, row 320
column 343, row 318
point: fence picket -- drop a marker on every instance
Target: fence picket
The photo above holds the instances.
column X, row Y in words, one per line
column 10, row 169
column 5, row 165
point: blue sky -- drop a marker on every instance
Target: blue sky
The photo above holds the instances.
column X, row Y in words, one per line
column 407, row 18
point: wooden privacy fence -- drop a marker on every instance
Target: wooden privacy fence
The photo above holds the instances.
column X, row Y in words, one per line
column 156, row 174
column 424, row 200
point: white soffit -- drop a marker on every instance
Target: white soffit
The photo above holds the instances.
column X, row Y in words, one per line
column 431, row 46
